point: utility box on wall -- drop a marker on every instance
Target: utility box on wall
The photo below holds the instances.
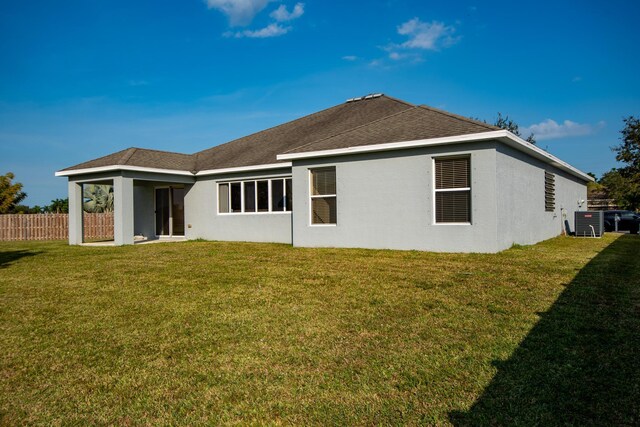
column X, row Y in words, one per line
column 589, row 223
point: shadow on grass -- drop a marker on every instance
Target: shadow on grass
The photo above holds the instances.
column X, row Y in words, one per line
column 8, row 257
column 580, row 364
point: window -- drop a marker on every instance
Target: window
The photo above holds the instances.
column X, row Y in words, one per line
column 223, row 197
column 249, row 196
column 236, row 197
column 453, row 190
column 265, row 195
column 277, row 195
column 549, row 192
column 323, row 196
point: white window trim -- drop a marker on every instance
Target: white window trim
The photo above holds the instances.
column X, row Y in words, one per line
column 242, row 207
column 445, row 190
column 320, row 196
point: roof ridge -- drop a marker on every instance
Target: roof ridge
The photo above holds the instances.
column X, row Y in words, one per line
column 401, row 101
column 459, row 117
column 301, row 118
column 129, row 152
column 127, row 155
column 196, row 160
column 160, row 151
column 270, row 128
column 413, row 107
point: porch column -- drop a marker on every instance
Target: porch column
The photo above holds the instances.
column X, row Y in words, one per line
column 75, row 213
column 123, row 210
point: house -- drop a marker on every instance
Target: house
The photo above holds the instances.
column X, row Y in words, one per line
column 373, row 172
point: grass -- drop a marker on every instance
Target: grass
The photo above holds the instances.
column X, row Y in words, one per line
column 238, row 333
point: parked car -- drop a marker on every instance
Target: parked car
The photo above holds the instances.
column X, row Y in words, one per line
column 629, row 221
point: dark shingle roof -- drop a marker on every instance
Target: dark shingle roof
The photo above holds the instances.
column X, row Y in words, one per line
column 412, row 124
column 141, row 157
column 375, row 120
column 263, row 147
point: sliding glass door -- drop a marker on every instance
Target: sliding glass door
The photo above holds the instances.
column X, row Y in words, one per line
column 170, row 211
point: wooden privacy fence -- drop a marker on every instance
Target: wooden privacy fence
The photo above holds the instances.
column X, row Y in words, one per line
column 53, row 226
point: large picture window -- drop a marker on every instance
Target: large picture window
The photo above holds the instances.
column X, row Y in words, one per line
column 453, row 190
column 263, row 195
column 323, row 196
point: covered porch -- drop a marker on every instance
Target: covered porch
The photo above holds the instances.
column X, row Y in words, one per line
column 147, row 206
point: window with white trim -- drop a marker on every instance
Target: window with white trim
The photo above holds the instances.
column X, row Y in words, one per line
column 255, row 196
column 453, row 190
column 323, row 196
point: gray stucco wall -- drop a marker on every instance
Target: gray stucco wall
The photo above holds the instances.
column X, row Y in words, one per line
column 201, row 212
column 521, row 212
column 385, row 200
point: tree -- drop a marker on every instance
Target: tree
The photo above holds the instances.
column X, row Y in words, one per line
column 508, row 124
column 595, row 189
column 623, row 183
column 629, row 151
column 58, row 206
column 98, row 198
column 10, row 193
column 24, row 209
column 617, row 187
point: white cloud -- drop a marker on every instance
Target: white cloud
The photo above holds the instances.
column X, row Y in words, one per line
column 350, row 58
column 550, row 129
column 427, row 35
column 281, row 14
column 239, row 12
column 242, row 12
column 271, row 30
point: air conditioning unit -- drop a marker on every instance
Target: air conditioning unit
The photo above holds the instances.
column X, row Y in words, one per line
column 589, row 223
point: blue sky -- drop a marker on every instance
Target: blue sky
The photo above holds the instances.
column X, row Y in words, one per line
column 81, row 79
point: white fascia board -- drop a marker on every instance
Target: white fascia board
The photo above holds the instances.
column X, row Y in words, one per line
column 115, row 168
column 392, row 146
column 254, row 168
column 501, row 135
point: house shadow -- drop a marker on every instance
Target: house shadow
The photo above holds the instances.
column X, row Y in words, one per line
column 580, row 364
column 6, row 258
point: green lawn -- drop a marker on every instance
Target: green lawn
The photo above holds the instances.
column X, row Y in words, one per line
column 239, row 333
